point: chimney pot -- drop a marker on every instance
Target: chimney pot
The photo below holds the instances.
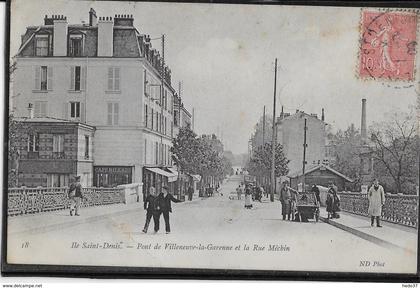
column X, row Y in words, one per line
column 30, row 111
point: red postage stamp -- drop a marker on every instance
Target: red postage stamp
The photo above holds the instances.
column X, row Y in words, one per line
column 388, row 45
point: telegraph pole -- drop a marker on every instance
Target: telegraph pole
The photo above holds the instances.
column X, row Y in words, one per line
column 273, row 138
column 162, row 95
column 263, row 136
column 179, row 127
column 304, row 156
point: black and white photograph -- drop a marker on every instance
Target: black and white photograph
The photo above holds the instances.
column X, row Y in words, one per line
column 212, row 136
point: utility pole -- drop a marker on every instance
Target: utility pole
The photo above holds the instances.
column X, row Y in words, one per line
column 263, row 136
column 193, row 118
column 304, row 156
column 162, row 95
column 179, row 127
column 273, row 141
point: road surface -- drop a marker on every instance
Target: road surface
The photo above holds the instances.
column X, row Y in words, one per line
column 214, row 232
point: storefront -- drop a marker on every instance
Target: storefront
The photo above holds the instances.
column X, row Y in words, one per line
column 157, row 178
column 112, row 176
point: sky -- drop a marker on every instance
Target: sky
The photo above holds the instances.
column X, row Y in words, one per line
column 224, row 55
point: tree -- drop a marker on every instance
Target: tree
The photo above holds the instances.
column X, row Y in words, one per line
column 346, row 152
column 18, row 136
column 260, row 162
column 185, row 150
column 396, row 153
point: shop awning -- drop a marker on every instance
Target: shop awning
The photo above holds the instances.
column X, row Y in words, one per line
column 171, row 177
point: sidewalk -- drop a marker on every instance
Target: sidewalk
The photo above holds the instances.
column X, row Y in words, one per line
column 61, row 219
column 389, row 236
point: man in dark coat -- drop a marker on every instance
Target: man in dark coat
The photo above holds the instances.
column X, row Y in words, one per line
column 75, row 196
column 151, row 205
column 165, row 200
column 190, row 192
column 315, row 190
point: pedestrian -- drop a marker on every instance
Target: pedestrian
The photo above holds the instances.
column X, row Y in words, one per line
column 376, row 198
column 248, row 195
column 333, row 202
column 263, row 191
column 190, row 192
column 293, row 203
column 315, row 190
column 164, row 200
column 151, row 205
column 75, row 196
column 285, row 199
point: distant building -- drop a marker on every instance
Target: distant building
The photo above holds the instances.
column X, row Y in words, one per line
column 290, row 134
column 319, row 175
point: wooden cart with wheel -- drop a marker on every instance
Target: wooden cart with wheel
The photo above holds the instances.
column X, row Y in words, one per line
column 307, row 207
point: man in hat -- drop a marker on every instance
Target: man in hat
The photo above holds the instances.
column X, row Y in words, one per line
column 75, row 196
column 165, row 200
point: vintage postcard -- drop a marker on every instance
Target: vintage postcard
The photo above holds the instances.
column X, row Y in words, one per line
column 213, row 136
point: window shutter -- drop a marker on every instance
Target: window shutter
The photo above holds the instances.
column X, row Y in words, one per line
column 117, row 78
column 37, row 72
column 83, row 78
column 72, row 78
column 43, row 109
column 110, row 79
column 109, row 122
column 116, row 113
column 50, row 78
column 82, row 112
column 37, row 109
column 66, row 111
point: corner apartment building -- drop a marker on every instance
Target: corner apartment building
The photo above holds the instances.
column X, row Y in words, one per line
column 105, row 74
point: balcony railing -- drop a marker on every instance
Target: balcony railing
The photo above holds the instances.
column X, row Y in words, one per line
column 58, row 155
column 399, row 209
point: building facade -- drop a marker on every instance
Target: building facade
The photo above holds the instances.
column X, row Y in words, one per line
column 105, row 74
column 290, row 134
column 52, row 151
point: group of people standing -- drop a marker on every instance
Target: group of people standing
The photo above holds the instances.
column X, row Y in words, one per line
column 251, row 193
column 156, row 205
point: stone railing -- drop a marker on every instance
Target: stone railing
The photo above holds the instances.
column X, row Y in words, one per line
column 41, row 199
column 399, row 209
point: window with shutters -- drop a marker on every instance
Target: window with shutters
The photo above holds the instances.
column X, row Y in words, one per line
column 43, row 78
column 113, row 114
column 146, row 118
column 58, row 145
column 33, row 142
column 113, row 79
column 77, row 78
column 76, row 45
column 152, row 118
column 87, row 147
column 41, row 45
column 40, row 109
column 75, row 110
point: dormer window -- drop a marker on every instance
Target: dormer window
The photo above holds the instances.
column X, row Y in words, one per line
column 76, row 45
column 41, row 45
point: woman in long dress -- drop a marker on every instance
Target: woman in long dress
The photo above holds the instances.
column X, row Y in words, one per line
column 248, row 193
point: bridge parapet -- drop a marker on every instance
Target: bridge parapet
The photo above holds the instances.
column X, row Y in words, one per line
column 400, row 209
column 25, row 200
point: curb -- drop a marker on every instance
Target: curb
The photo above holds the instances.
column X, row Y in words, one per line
column 65, row 225
column 365, row 236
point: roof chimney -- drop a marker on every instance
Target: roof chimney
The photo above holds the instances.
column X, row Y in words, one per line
column 93, row 20
column 322, row 115
column 363, row 124
column 60, row 35
column 30, row 111
column 105, row 37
